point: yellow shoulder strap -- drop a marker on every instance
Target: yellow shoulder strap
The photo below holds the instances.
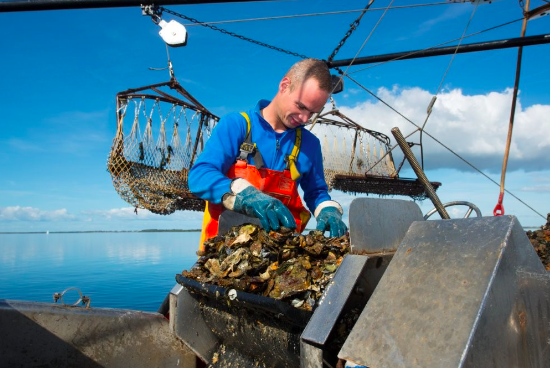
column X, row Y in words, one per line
column 294, row 173
column 248, row 147
column 247, row 122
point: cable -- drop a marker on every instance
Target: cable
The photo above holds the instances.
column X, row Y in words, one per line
column 364, row 43
column 232, row 34
column 434, row 98
column 456, row 50
column 316, row 14
column 443, row 145
column 352, row 27
column 348, row 76
column 441, row 44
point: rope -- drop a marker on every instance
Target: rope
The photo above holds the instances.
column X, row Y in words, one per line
column 232, row 34
column 499, row 208
column 316, row 14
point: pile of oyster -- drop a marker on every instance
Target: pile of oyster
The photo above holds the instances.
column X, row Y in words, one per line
column 279, row 265
column 541, row 242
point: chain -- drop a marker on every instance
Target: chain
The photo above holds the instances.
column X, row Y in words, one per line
column 352, row 27
column 232, row 34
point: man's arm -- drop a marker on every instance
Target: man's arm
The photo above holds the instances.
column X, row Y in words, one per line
column 313, row 181
column 207, row 178
column 327, row 212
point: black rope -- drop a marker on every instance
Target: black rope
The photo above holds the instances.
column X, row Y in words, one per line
column 232, row 34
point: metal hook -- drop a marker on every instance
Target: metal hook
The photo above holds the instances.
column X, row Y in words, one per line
column 83, row 298
column 153, row 11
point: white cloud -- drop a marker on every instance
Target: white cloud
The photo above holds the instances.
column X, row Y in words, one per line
column 474, row 126
column 18, row 218
column 18, row 213
column 121, row 213
column 537, row 188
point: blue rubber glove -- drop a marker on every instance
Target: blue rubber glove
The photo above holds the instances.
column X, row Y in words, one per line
column 331, row 218
column 271, row 212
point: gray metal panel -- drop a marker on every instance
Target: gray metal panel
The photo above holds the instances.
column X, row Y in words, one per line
column 451, row 286
column 353, row 284
column 332, row 303
column 379, row 225
column 310, row 356
column 187, row 323
column 50, row 335
column 514, row 321
column 249, row 339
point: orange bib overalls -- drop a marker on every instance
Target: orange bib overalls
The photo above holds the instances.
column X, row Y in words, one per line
column 278, row 184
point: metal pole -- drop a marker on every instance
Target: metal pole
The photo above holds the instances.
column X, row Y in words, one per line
column 32, row 5
column 447, row 50
column 419, row 173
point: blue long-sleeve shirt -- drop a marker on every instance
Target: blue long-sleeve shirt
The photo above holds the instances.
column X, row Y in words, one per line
column 208, row 180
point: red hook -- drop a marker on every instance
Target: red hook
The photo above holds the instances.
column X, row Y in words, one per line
column 499, row 208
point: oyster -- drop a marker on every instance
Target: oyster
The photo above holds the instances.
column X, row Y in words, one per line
column 540, row 239
column 294, row 268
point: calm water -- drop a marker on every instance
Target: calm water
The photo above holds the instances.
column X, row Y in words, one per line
column 116, row 270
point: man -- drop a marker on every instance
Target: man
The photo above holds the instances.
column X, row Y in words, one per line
column 253, row 162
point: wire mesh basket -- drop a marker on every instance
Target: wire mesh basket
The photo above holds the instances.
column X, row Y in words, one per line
column 151, row 173
column 359, row 160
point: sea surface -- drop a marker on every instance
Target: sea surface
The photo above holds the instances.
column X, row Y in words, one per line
column 116, row 270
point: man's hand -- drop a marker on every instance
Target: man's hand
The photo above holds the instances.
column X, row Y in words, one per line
column 330, row 218
column 252, row 202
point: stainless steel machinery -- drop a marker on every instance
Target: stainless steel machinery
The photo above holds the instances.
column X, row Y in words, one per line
column 414, row 293
column 447, row 293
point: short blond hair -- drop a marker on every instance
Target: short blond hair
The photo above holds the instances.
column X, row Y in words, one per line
column 310, row 68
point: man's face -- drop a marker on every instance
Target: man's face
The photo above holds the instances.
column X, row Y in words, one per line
column 298, row 105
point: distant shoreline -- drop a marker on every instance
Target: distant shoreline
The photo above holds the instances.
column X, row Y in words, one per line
column 526, row 228
column 104, row 231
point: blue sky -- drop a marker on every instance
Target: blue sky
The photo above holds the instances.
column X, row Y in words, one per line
column 61, row 71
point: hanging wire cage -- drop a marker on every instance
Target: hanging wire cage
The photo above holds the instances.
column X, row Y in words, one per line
column 150, row 158
column 359, row 160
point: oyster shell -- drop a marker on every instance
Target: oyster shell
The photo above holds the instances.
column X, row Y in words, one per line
column 291, row 267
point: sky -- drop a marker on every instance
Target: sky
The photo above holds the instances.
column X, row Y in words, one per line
column 61, row 71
